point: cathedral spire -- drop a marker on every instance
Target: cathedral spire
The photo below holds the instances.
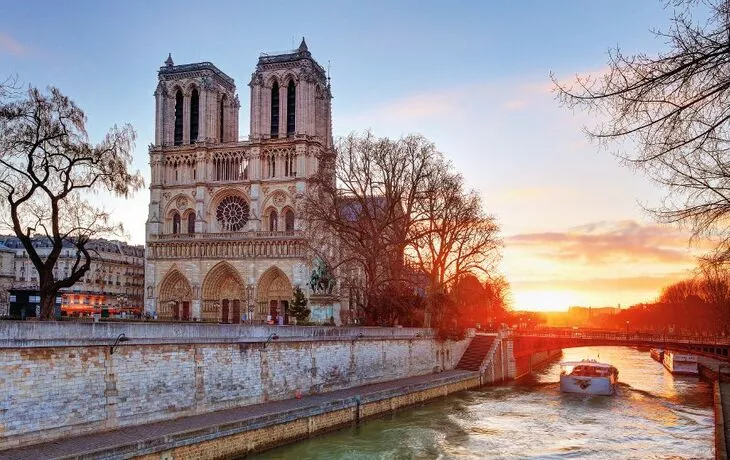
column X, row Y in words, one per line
column 168, row 61
column 303, row 46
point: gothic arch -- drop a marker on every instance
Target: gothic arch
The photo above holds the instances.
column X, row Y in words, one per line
column 288, row 217
column 274, row 292
column 278, row 199
column 175, row 297
column 190, row 86
column 269, row 82
column 224, row 294
column 288, row 77
column 173, row 206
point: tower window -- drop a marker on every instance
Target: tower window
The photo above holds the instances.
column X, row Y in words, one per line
column 273, row 218
column 191, row 222
column 194, row 106
column 178, row 118
column 176, row 223
column 289, row 220
column 275, row 110
column 291, row 110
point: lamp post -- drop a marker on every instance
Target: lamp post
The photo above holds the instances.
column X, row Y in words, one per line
column 627, row 328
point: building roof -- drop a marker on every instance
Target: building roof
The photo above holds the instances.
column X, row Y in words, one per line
column 302, row 52
column 170, row 69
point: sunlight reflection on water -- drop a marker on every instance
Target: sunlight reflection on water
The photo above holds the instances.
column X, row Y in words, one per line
column 653, row 415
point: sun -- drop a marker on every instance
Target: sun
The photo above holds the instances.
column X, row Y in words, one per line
column 544, row 300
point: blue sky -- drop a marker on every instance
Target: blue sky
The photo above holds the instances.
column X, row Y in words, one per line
column 471, row 76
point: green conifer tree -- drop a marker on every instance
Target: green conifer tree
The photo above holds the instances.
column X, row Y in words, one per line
column 298, row 308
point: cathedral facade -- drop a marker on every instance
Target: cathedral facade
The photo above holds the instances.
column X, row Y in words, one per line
column 224, row 235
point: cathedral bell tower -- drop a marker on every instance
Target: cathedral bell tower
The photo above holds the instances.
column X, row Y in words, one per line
column 195, row 103
column 290, row 97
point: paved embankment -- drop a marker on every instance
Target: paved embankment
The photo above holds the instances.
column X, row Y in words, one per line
column 722, row 416
column 718, row 372
column 227, row 433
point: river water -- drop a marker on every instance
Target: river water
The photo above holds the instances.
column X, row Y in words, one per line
column 653, row 415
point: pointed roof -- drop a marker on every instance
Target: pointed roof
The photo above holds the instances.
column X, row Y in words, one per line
column 168, row 61
column 303, row 46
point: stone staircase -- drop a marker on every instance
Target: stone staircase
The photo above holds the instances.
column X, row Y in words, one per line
column 476, row 352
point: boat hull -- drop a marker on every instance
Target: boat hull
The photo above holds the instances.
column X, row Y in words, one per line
column 681, row 364
column 603, row 386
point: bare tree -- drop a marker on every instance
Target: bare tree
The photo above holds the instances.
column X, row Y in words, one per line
column 389, row 213
column 48, row 167
column 715, row 289
column 452, row 238
column 361, row 207
column 672, row 113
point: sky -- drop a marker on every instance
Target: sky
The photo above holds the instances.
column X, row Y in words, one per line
column 471, row 76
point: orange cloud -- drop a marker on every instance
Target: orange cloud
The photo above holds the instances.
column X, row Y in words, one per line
column 609, row 242
column 641, row 284
column 12, row 46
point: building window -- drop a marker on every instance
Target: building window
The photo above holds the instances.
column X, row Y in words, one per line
column 273, row 218
column 232, row 213
column 275, row 110
column 178, row 118
column 191, row 222
column 291, row 98
column 289, row 170
column 194, row 110
column 176, row 223
column 289, row 220
column 221, row 119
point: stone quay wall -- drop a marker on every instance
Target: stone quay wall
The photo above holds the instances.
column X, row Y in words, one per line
column 61, row 379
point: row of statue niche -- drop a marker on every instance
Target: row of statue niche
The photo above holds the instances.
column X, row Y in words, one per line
column 232, row 249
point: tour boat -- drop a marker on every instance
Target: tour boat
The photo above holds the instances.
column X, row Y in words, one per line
column 657, row 354
column 680, row 363
column 589, row 377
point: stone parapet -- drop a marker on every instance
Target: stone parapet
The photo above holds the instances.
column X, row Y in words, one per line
column 32, row 334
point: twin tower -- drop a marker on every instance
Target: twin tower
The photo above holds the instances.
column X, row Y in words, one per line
column 224, row 231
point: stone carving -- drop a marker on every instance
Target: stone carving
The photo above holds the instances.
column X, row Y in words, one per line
column 279, row 198
column 181, row 202
column 321, row 281
column 166, row 195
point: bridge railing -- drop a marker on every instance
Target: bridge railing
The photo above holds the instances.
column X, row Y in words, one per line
column 619, row 336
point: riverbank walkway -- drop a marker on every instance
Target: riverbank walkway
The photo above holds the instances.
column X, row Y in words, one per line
column 141, row 439
column 725, row 396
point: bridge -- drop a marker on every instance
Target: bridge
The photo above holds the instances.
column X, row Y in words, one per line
column 530, row 342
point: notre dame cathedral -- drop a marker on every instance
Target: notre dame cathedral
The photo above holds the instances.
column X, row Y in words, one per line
column 224, row 237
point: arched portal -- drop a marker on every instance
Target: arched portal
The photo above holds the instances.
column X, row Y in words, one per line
column 175, row 297
column 274, row 292
column 223, row 294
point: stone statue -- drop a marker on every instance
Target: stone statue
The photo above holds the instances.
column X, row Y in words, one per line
column 321, row 281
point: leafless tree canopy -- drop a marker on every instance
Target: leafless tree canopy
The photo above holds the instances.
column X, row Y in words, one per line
column 48, row 168
column 675, row 109
column 391, row 214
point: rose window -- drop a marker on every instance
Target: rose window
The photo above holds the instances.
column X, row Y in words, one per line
column 232, row 213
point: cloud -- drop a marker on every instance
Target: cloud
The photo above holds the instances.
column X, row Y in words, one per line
column 622, row 284
column 11, row 46
column 455, row 102
column 609, row 242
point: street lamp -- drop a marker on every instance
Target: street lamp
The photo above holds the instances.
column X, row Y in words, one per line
column 627, row 328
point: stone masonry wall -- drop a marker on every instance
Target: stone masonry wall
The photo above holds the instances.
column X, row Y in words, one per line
column 50, row 392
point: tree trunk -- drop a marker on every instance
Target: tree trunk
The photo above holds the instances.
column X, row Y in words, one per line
column 48, row 304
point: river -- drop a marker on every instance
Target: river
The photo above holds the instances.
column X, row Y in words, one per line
column 653, row 415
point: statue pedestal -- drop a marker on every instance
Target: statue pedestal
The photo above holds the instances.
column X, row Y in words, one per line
column 324, row 307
